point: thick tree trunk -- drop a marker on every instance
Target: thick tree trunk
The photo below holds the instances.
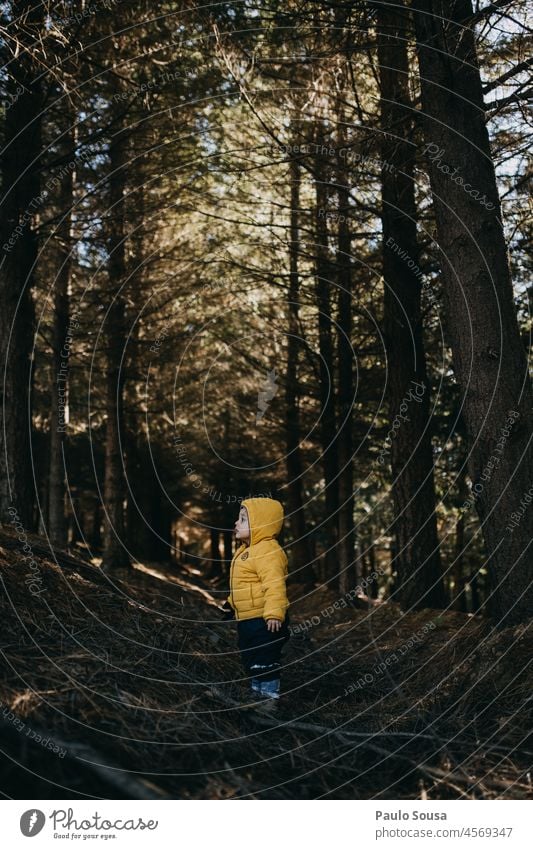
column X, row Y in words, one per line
column 300, row 546
column 345, row 394
column 456, row 594
column 228, row 511
column 373, row 588
column 115, row 553
column 143, row 489
column 95, row 537
column 57, row 525
column 142, row 497
column 215, row 565
column 417, row 559
column 489, row 358
column 328, row 433
column 114, row 485
column 19, row 206
column 227, row 538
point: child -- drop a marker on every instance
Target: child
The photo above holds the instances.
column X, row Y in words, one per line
column 258, row 595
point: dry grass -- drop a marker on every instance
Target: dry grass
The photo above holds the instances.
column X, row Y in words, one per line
column 141, row 684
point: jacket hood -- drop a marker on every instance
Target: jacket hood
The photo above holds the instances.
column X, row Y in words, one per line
column 265, row 516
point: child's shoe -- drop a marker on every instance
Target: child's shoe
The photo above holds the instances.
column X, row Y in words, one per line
column 267, row 696
column 270, row 688
column 264, row 696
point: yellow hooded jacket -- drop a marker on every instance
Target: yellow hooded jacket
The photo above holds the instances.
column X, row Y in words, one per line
column 259, row 570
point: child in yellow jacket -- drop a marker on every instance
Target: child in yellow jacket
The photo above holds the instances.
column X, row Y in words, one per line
column 258, row 594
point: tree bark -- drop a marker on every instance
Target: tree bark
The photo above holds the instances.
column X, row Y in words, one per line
column 300, row 545
column 456, row 595
column 115, row 554
column 489, row 358
column 417, row 560
column 345, row 392
column 143, row 503
column 57, row 525
column 19, row 206
column 326, row 374
column 227, row 484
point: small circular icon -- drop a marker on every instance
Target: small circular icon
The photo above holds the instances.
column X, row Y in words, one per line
column 245, row 556
column 32, row 822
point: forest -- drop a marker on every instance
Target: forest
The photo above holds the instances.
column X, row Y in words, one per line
column 279, row 252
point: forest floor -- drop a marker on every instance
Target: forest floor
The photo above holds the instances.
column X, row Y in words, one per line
column 133, row 688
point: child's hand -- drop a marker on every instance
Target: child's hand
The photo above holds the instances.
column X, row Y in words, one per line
column 273, row 624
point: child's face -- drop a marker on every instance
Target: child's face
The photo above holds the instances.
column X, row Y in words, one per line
column 242, row 527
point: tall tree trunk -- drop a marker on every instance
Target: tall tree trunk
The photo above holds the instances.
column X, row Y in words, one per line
column 214, row 566
column 227, row 510
column 328, row 433
column 143, row 488
column 417, row 559
column 457, row 569
column 95, row 537
column 345, row 393
column 115, row 553
column 227, row 538
column 57, row 525
column 373, row 589
column 19, row 205
column 489, row 358
column 142, row 496
column 300, row 546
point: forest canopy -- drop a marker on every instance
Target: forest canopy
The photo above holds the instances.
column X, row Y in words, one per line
column 281, row 249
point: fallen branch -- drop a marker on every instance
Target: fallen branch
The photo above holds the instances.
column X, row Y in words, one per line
column 346, row 737
column 128, row 786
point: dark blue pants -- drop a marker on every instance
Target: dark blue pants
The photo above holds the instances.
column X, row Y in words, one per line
column 260, row 648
